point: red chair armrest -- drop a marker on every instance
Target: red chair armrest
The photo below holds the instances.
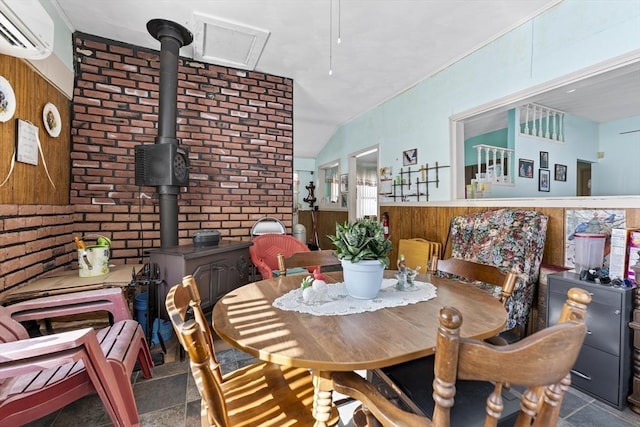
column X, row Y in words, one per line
column 264, row 269
column 50, row 351
column 111, row 300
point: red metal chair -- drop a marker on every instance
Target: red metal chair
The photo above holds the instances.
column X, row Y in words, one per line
column 41, row 375
column 265, row 249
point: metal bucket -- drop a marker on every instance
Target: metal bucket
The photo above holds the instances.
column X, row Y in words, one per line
column 93, row 261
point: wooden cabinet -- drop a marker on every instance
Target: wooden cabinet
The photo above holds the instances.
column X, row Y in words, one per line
column 603, row 368
column 217, row 269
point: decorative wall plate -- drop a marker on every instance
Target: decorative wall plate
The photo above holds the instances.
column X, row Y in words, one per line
column 51, row 119
column 7, row 100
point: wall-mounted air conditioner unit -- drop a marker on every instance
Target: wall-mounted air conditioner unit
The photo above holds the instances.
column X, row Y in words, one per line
column 26, row 29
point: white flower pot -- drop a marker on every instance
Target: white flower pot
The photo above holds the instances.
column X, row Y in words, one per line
column 363, row 279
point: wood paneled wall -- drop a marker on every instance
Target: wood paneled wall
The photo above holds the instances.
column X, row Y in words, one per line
column 29, row 184
column 432, row 223
column 325, row 225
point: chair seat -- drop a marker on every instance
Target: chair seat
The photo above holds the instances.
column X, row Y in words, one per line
column 415, row 380
column 290, row 271
column 267, row 394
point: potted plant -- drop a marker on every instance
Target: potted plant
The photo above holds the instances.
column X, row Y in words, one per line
column 364, row 254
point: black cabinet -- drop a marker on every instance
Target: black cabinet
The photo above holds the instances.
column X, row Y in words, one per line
column 603, row 368
column 217, row 269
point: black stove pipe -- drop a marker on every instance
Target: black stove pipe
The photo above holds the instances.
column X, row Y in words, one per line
column 172, row 37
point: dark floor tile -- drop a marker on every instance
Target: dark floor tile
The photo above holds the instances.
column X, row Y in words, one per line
column 168, row 417
column 241, row 355
column 192, row 390
column 45, row 421
column 226, row 357
column 572, row 402
column 592, row 416
column 168, row 369
column 626, row 413
column 88, row 411
column 193, row 414
column 246, row 362
column 230, row 366
column 153, row 395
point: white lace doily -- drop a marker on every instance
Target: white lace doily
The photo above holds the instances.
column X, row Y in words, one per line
column 338, row 302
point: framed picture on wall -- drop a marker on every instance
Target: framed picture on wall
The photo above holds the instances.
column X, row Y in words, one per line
column 525, row 168
column 544, row 159
column 544, row 180
column 410, row 157
column 560, row 172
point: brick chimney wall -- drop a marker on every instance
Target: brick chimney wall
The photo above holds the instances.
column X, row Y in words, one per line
column 237, row 126
column 33, row 239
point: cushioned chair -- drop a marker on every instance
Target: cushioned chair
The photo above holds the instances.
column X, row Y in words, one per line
column 541, row 363
column 43, row 374
column 266, row 248
column 261, row 394
column 510, row 239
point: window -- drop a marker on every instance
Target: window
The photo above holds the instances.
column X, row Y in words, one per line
column 329, row 181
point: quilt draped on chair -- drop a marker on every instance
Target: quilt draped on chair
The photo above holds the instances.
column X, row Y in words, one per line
column 510, row 239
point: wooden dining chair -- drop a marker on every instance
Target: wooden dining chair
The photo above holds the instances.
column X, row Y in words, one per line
column 405, row 377
column 43, row 374
column 263, row 393
column 540, row 362
column 476, row 272
column 419, row 252
column 307, row 260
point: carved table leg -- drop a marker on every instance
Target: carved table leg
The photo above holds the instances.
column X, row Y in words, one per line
column 323, row 410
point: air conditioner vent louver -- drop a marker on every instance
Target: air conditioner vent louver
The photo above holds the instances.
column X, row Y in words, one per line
column 26, row 30
column 8, row 35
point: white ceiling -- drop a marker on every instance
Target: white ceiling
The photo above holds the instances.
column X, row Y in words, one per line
column 603, row 97
column 386, row 45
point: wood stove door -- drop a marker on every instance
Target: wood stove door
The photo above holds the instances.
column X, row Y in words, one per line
column 203, row 275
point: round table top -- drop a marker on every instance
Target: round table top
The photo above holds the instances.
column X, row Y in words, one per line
column 246, row 318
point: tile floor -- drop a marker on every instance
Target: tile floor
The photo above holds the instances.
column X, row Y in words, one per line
column 170, row 399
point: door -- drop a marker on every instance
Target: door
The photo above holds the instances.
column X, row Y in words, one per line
column 583, row 180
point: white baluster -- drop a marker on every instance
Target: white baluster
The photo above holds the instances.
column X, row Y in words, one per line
column 526, row 120
column 534, row 124
column 546, row 134
column 486, row 162
column 495, row 168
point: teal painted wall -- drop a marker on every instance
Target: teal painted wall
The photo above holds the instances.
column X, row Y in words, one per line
column 567, row 38
column 619, row 141
column 496, row 138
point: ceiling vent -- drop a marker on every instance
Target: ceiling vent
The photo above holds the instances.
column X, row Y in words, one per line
column 227, row 43
column 26, row 29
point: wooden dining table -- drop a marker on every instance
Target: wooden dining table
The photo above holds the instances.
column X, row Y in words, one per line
column 246, row 318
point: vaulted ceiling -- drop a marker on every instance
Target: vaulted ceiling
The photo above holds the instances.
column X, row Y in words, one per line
column 385, row 46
